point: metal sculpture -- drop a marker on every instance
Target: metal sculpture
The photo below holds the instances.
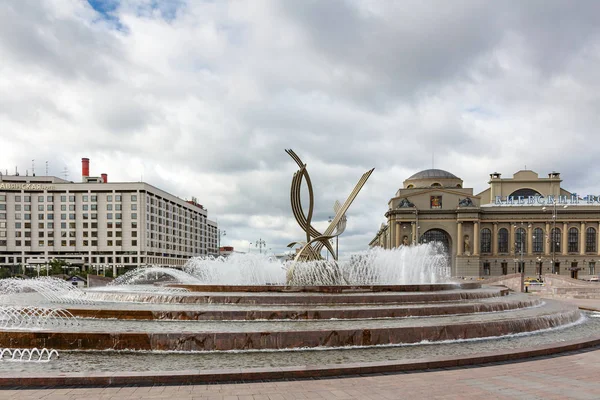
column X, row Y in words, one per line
column 315, row 241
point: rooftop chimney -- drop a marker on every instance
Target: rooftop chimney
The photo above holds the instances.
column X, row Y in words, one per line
column 104, row 178
column 85, row 168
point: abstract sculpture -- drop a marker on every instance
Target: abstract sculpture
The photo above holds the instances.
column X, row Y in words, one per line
column 315, row 241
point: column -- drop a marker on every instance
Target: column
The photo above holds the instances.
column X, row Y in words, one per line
column 564, row 239
column 398, row 234
column 414, row 232
column 459, row 240
column 547, row 240
column 530, row 240
column 392, row 232
column 598, row 239
column 582, row 239
column 475, row 238
column 495, row 239
column 512, row 240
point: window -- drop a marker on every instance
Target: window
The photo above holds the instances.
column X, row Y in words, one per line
column 118, row 197
column 94, row 207
column 71, row 216
column 109, row 234
column 590, row 240
column 109, row 242
column 63, row 243
column 134, row 242
column 118, row 215
column 51, row 234
column 117, row 207
column 72, row 234
column 520, row 241
column 50, row 207
column 18, row 234
column 109, row 216
column 94, row 225
column 2, row 215
column 50, row 216
column 85, row 242
column 486, row 240
column 3, row 207
column 119, row 243
column 555, row 236
column 109, row 207
column 63, row 225
column 109, row 197
column 118, row 224
column 486, row 267
column 17, row 199
column 85, row 225
column 133, row 207
column 63, row 199
column 41, row 243
column 72, row 225
column 134, row 225
column 85, row 197
column 17, row 225
column 133, row 234
column 118, row 234
column 63, row 207
column 18, row 207
column 592, row 266
column 85, row 207
column 133, row 197
column 27, row 207
column 40, row 207
column 71, row 207
column 27, row 199
column 50, row 242
column 17, row 242
column 3, row 197
column 28, row 217
column 133, row 216
column 50, row 225
column 94, row 243
column 17, row 215
column 40, row 216
column 72, row 243
column 40, row 199
column 573, row 239
column 49, row 198
column 40, row 225
column 85, row 216
column 71, row 198
column 503, row 240
column 63, row 216
column 94, row 233
column 94, row 198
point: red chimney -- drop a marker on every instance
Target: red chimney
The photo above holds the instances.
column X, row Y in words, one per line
column 85, row 167
column 104, row 178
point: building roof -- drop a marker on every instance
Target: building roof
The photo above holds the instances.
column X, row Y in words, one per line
column 433, row 173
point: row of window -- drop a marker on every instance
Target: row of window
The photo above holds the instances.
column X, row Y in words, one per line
column 68, row 243
column 63, row 198
column 70, row 225
column 538, row 240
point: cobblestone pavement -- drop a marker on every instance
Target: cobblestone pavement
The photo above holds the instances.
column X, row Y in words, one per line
column 570, row 376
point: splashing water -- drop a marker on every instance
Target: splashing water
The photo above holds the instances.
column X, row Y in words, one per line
column 52, row 289
column 35, row 317
column 149, row 275
column 426, row 263
column 27, row 355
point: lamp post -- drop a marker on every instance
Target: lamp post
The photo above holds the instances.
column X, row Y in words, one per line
column 416, row 239
column 521, row 244
column 260, row 244
column 553, row 242
column 221, row 233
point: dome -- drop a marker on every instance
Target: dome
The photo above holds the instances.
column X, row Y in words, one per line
column 432, row 174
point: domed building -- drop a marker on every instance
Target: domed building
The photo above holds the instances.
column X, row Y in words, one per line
column 521, row 223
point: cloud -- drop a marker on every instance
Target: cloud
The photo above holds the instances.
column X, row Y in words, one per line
column 201, row 98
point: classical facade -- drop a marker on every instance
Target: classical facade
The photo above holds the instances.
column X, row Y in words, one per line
column 520, row 222
column 96, row 223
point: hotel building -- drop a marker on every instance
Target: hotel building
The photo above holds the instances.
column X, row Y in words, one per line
column 524, row 222
column 99, row 223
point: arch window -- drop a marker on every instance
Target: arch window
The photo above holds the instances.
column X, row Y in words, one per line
column 503, row 240
column 555, row 237
column 573, row 240
column 520, row 241
column 590, row 240
column 436, row 235
column 436, row 184
column 486, row 241
column 538, row 240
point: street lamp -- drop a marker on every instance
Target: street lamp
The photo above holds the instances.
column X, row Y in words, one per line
column 521, row 263
column 553, row 242
column 260, row 244
column 221, row 233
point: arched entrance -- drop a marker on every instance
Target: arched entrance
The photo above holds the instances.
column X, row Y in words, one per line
column 436, row 235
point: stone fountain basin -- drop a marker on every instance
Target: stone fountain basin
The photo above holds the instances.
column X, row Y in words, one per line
column 305, row 298
column 245, row 335
column 246, row 312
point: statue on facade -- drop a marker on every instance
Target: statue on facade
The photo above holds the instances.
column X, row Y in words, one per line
column 405, row 240
column 466, row 202
column 405, row 203
column 467, row 244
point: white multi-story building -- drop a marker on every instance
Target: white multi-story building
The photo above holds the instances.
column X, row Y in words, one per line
column 97, row 223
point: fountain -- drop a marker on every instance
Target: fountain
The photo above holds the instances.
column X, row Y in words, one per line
column 249, row 311
column 27, row 355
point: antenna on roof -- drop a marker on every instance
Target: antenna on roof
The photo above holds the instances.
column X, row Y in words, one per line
column 47, row 168
column 66, row 173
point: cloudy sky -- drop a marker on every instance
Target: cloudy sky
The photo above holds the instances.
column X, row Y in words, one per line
column 201, row 98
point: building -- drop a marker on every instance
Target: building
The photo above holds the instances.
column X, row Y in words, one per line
column 520, row 222
column 95, row 222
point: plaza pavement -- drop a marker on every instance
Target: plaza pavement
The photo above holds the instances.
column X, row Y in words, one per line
column 573, row 375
